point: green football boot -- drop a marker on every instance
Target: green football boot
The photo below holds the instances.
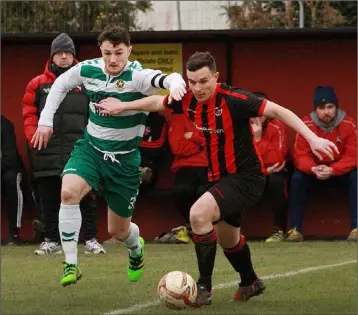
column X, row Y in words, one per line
column 71, row 274
column 136, row 264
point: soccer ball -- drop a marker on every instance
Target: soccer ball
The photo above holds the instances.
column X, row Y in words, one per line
column 177, row 290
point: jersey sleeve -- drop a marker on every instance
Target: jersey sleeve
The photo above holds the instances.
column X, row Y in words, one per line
column 244, row 104
column 176, row 107
column 148, row 81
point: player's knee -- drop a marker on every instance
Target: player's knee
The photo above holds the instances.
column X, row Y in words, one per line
column 119, row 233
column 204, row 211
column 70, row 196
column 199, row 214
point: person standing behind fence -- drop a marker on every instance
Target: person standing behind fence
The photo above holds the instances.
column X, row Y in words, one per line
column 48, row 163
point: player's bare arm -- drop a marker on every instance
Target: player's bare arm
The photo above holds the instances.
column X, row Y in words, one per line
column 113, row 106
column 64, row 83
column 317, row 144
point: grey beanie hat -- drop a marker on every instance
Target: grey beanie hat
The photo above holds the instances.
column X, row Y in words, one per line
column 63, row 42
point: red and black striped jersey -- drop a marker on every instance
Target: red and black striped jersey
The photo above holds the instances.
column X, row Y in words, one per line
column 224, row 120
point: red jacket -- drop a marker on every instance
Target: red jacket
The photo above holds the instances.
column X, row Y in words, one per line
column 187, row 152
column 29, row 109
column 344, row 136
column 273, row 144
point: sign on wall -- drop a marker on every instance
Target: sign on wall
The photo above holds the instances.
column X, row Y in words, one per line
column 165, row 57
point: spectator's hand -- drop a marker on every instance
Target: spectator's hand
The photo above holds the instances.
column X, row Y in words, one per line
column 147, row 174
column 41, row 137
column 257, row 128
column 111, row 106
column 188, row 134
column 276, row 168
column 177, row 94
column 320, row 145
column 314, row 169
column 324, row 172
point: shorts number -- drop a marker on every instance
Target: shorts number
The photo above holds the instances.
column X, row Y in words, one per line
column 132, row 201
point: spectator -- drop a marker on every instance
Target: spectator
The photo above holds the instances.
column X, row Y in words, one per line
column 190, row 167
column 330, row 122
column 69, row 124
column 11, row 177
column 152, row 149
column 271, row 139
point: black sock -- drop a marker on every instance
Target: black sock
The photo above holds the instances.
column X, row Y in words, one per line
column 239, row 257
column 205, row 247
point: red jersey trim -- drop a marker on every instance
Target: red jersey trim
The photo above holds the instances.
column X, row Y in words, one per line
column 262, row 108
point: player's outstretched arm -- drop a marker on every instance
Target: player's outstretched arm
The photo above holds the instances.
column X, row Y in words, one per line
column 64, row 83
column 317, row 144
column 113, row 106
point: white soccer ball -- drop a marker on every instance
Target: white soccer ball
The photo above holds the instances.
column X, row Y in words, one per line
column 177, row 290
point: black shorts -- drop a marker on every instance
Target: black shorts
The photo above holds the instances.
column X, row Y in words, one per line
column 235, row 192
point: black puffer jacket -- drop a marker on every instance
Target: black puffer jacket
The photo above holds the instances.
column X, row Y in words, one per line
column 10, row 159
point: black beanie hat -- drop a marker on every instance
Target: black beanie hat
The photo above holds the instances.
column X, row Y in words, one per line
column 63, row 42
column 324, row 95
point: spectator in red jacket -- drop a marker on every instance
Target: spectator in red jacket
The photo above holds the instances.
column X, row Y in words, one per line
column 330, row 122
column 189, row 164
column 271, row 139
column 47, row 164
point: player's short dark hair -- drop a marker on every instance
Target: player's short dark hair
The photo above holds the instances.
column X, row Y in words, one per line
column 115, row 34
column 260, row 94
column 200, row 60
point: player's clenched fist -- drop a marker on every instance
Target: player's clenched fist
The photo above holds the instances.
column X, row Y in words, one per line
column 41, row 137
column 177, row 93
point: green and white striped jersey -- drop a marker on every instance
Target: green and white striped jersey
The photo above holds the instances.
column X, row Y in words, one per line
column 113, row 134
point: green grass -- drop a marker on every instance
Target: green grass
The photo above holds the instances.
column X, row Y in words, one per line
column 30, row 284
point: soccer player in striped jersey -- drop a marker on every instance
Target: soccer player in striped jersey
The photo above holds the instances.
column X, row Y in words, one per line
column 107, row 159
column 235, row 168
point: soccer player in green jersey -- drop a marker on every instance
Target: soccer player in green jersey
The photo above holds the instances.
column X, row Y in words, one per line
column 107, row 159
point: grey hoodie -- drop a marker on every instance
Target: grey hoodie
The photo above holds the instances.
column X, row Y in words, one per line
column 333, row 124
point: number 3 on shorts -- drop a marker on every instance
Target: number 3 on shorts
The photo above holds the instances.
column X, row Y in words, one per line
column 132, row 201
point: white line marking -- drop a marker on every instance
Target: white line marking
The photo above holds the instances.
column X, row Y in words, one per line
column 138, row 307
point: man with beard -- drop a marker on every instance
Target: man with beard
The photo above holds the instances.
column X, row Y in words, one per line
column 328, row 121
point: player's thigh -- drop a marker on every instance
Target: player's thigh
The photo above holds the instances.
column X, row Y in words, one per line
column 228, row 236
column 81, row 173
column 234, row 193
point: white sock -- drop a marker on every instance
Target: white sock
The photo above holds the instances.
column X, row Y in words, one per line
column 132, row 241
column 69, row 225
